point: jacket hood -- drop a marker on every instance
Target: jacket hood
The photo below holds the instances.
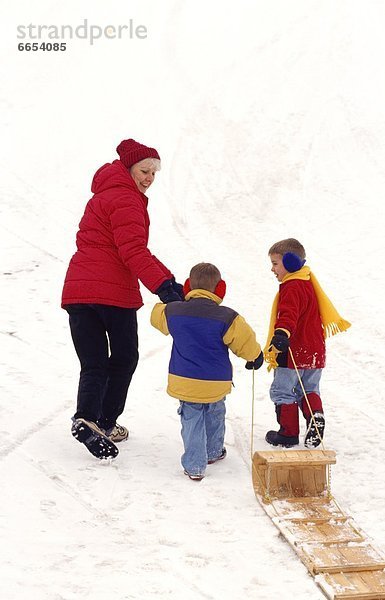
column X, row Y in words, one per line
column 113, row 175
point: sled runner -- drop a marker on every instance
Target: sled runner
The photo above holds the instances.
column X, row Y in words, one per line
column 293, row 486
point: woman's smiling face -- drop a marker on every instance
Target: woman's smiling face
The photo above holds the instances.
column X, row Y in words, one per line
column 143, row 173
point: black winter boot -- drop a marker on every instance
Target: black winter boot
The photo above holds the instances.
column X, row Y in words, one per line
column 287, row 417
column 313, row 438
column 94, row 439
column 276, row 438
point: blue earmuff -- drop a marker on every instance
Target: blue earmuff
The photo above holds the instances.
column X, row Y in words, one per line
column 292, row 262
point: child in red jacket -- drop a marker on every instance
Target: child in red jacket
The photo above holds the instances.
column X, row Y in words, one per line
column 302, row 317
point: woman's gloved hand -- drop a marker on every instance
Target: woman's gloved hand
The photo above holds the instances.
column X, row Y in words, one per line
column 178, row 288
column 167, row 293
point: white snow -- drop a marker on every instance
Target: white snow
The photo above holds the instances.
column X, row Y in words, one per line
column 269, row 117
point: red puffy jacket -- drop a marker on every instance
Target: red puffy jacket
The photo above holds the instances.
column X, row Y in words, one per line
column 298, row 312
column 112, row 253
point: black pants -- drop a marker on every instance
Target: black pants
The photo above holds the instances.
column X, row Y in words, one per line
column 106, row 342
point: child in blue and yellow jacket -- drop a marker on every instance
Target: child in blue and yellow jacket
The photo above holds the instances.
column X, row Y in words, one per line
column 200, row 371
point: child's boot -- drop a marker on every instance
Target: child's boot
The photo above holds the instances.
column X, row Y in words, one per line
column 195, row 477
column 315, row 430
column 316, row 424
column 287, row 417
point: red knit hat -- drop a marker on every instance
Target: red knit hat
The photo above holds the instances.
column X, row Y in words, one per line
column 131, row 152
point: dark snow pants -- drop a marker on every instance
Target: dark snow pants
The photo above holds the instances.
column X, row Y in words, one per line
column 106, row 342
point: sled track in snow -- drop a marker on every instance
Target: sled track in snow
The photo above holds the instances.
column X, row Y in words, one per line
column 63, row 485
column 28, row 433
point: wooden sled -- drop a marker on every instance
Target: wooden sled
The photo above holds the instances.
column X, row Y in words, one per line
column 293, row 488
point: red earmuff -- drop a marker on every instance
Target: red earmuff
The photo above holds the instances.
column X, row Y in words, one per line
column 220, row 288
column 186, row 286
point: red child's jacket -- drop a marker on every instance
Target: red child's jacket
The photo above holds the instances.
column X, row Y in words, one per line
column 298, row 313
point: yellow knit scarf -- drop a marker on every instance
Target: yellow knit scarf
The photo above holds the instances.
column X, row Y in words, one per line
column 332, row 322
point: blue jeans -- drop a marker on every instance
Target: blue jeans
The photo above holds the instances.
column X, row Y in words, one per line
column 203, row 433
column 286, row 387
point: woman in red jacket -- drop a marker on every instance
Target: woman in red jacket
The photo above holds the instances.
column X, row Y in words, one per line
column 101, row 292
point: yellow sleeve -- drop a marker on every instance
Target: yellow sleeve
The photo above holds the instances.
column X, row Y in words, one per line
column 158, row 318
column 241, row 340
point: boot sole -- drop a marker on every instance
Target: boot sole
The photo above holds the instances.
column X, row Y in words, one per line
column 282, row 445
column 194, row 477
column 96, row 443
column 312, row 439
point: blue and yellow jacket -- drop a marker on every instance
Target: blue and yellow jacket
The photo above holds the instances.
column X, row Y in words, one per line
column 200, row 369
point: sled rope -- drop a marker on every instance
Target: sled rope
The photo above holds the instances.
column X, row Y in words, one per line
column 267, row 495
column 252, row 417
column 314, row 421
column 307, row 399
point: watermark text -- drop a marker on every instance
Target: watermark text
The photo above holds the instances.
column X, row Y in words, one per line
column 83, row 31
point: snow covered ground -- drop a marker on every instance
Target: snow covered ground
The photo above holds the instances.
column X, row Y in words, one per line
column 269, row 117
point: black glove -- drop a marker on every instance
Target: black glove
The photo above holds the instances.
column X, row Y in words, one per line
column 280, row 340
column 255, row 364
column 167, row 293
column 178, row 288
